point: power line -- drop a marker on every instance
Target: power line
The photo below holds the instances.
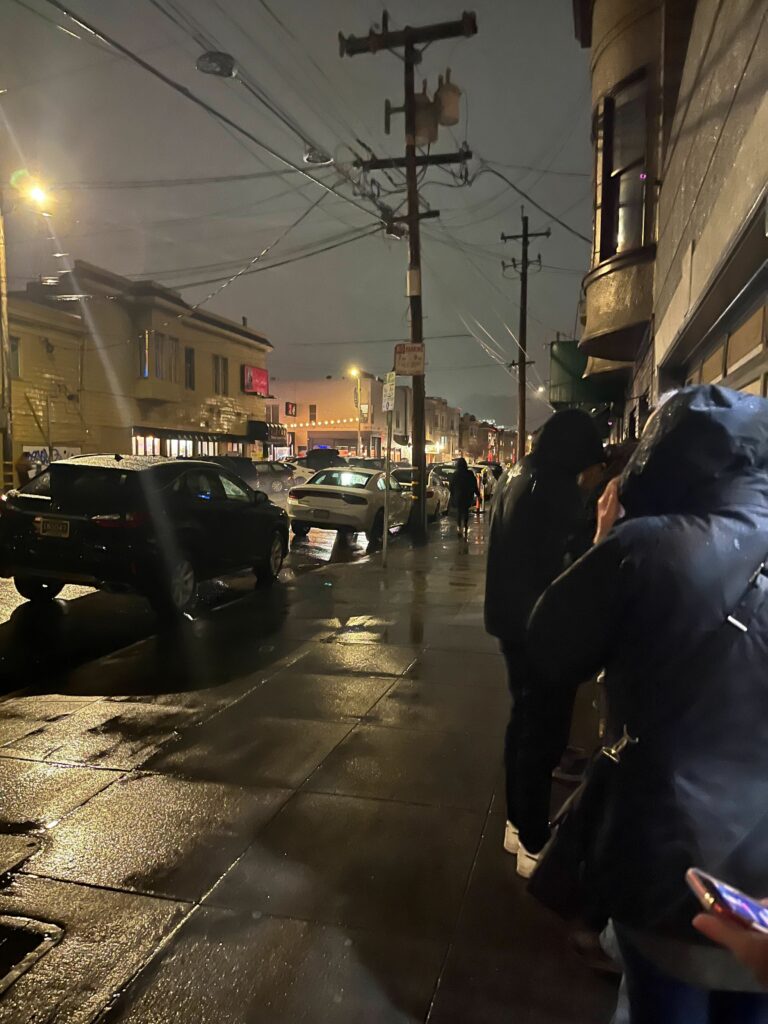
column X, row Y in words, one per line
column 485, row 169
column 198, row 101
column 139, row 183
column 281, row 263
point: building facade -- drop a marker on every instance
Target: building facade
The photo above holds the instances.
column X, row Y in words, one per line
column 324, row 413
column 677, row 288
column 153, row 375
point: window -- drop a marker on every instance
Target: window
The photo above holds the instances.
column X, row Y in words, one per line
column 189, row 369
column 203, row 486
column 341, row 478
column 173, row 360
column 145, row 444
column 14, row 362
column 207, row 448
column 234, row 491
column 220, row 375
column 620, row 135
column 273, row 412
column 313, row 414
column 159, row 355
column 144, row 355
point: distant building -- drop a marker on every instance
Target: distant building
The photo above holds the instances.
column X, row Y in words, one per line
column 678, row 282
column 136, row 369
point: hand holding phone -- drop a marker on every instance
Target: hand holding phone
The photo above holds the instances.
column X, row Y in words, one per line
column 724, row 901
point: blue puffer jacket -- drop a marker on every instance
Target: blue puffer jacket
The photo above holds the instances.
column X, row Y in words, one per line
column 650, row 604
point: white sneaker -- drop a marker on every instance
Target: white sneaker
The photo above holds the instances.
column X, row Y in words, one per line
column 511, row 838
column 526, row 862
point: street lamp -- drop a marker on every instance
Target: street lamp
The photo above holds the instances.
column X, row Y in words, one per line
column 354, row 372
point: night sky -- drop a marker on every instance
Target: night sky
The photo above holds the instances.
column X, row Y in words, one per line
column 76, row 114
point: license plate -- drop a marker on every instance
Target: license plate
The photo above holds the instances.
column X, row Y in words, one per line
column 54, row 528
column 322, row 513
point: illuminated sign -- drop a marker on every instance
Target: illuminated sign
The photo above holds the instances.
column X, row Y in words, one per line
column 290, row 408
column 255, row 381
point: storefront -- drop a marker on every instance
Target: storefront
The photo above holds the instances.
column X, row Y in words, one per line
column 185, row 444
column 272, row 437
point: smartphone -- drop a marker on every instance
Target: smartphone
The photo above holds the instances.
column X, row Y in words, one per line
column 718, row 897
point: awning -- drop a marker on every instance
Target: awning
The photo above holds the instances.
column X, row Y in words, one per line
column 572, row 382
column 268, row 433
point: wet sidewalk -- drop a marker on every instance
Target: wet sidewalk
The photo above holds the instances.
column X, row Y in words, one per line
column 318, row 841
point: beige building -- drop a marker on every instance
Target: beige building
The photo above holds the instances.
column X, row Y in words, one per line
column 324, row 413
column 442, row 430
column 47, row 349
column 678, row 282
column 145, row 372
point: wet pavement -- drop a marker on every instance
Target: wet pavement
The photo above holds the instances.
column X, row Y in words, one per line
column 288, row 809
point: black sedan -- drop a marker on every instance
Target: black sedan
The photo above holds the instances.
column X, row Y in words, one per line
column 132, row 523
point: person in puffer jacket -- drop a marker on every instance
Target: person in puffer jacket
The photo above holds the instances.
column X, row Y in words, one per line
column 673, row 605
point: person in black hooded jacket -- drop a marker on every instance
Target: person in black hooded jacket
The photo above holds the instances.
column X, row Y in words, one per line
column 538, row 526
column 673, row 605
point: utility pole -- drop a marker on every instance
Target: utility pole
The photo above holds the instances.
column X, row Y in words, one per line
column 409, row 40
column 6, row 473
column 522, row 361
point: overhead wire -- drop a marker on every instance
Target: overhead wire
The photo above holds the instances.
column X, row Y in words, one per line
column 198, row 101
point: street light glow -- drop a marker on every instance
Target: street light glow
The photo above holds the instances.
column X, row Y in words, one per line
column 354, row 372
column 37, row 195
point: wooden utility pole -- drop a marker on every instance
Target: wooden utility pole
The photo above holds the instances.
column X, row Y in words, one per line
column 6, row 429
column 522, row 361
column 409, row 39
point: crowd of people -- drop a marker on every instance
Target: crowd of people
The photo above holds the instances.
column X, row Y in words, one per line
column 648, row 569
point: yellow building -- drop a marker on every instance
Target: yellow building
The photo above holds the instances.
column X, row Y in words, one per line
column 144, row 371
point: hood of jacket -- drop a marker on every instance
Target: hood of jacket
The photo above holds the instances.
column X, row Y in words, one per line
column 569, row 442
column 703, row 448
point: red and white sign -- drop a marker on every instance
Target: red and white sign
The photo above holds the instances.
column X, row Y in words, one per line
column 255, row 381
column 409, row 360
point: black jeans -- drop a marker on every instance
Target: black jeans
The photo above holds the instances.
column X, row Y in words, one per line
column 462, row 517
column 536, row 737
column 649, row 996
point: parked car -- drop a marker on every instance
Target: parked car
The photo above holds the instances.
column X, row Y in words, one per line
column 273, row 477
column 240, row 465
column 150, row 525
column 300, row 471
column 347, row 499
column 438, row 494
column 486, row 481
column 324, row 458
column 365, row 462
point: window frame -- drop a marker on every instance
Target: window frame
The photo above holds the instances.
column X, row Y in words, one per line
column 189, row 368
column 608, row 178
column 14, row 356
column 220, row 374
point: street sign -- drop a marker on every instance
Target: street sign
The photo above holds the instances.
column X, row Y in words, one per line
column 409, row 360
column 388, row 396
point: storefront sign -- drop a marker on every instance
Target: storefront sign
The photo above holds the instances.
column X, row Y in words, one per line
column 290, row 409
column 255, row 381
column 409, row 360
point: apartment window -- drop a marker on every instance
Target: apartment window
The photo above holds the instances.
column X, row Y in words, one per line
column 160, row 351
column 220, row 375
column 620, row 134
column 313, row 414
column 14, row 361
column 189, row 369
column 144, row 355
column 173, row 360
column 273, row 412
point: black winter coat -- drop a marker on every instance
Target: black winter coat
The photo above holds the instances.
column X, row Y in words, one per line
column 539, row 522
column 463, row 488
column 642, row 604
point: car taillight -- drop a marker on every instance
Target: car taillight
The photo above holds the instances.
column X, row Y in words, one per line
column 354, row 499
column 295, row 494
column 116, row 521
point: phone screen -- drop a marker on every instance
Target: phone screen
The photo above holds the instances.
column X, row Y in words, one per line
column 749, row 910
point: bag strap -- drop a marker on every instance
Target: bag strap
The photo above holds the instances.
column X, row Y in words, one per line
column 739, row 619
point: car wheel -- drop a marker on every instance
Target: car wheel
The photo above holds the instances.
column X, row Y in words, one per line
column 176, row 594
column 277, row 486
column 267, row 572
column 376, row 531
column 37, row 590
column 299, row 529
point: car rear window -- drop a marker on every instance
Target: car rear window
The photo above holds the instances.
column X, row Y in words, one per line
column 405, row 476
column 340, row 478
column 40, row 485
column 92, row 489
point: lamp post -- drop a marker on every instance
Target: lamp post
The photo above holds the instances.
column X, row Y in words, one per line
column 356, row 374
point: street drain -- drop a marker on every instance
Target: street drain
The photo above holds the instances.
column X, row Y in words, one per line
column 22, row 943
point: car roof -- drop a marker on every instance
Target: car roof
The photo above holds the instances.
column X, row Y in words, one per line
column 130, row 463
column 364, row 470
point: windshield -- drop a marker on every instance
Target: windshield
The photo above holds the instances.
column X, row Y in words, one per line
column 341, row 478
column 405, row 476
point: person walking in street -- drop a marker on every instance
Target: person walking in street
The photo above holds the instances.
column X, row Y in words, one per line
column 464, row 492
column 538, row 527
column 672, row 602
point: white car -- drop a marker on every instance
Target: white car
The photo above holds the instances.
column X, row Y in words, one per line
column 348, row 499
column 300, row 471
column 438, row 493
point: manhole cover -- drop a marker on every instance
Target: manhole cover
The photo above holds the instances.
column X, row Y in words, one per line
column 22, row 943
